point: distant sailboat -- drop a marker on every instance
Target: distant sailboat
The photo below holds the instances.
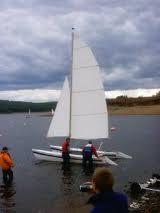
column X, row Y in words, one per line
column 29, row 114
column 52, row 112
column 81, row 112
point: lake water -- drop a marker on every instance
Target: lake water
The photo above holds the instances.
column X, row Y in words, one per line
column 44, row 187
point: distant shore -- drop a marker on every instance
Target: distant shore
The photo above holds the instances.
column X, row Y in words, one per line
column 117, row 110
column 134, row 110
column 122, row 105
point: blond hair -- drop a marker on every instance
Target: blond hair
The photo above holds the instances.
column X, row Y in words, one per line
column 103, row 179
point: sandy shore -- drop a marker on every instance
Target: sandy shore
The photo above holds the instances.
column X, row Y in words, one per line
column 134, row 110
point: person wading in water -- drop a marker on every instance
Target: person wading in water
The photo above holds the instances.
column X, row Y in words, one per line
column 65, row 151
column 87, row 151
column 6, row 163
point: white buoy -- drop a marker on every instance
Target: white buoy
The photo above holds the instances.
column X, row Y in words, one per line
column 113, row 128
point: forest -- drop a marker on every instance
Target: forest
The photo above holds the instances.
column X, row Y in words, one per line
column 140, row 101
column 19, row 106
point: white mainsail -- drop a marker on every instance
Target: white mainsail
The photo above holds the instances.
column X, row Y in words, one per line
column 86, row 116
column 89, row 117
column 60, row 122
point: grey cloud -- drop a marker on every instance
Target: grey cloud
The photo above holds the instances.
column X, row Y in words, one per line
column 35, row 41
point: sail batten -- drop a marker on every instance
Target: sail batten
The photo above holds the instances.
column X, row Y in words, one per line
column 85, row 67
column 89, row 114
column 82, row 91
column 77, row 48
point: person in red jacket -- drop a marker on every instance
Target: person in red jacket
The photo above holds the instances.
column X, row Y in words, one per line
column 65, row 151
column 87, row 151
column 6, row 163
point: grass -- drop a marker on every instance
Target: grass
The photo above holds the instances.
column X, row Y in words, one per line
column 134, row 110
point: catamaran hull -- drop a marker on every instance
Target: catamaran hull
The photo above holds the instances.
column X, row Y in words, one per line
column 45, row 156
column 56, row 156
column 111, row 155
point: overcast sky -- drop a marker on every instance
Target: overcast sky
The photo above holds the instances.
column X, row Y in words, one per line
column 35, row 38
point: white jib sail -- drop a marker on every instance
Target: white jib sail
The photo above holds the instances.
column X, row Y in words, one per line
column 60, row 122
column 89, row 116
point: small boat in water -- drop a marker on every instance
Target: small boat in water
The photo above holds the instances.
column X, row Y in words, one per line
column 113, row 128
column 29, row 114
column 52, row 112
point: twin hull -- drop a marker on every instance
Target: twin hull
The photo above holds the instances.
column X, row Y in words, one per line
column 57, row 156
column 76, row 155
column 111, row 155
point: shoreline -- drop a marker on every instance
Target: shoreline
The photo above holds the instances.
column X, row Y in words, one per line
column 134, row 110
column 112, row 110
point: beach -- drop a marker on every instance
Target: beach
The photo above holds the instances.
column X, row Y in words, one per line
column 134, row 110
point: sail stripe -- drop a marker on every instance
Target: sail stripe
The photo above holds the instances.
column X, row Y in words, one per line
column 90, row 114
column 84, row 67
column 77, row 48
column 82, row 91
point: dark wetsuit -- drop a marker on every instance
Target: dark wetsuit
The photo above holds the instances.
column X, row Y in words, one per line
column 7, row 176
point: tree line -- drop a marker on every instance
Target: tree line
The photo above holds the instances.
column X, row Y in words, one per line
column 140, row 101
column 19, row 106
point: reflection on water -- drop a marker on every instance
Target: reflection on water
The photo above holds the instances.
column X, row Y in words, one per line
column 88, row 170
column 67, row 178
column 7, row 197
column 74, row 200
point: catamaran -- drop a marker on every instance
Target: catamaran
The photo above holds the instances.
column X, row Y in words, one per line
column 81, row 112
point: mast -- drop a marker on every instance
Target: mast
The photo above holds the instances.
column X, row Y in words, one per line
column 70, row 113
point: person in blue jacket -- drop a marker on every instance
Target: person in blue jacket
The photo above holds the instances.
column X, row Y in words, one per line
column 105, row 199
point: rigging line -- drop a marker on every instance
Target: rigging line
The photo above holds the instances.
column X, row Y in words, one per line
column 71, row 73
column 100, row 146
column 81, row 91
column 89, row 114
column 84, row 67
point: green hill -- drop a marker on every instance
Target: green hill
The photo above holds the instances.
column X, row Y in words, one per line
column 121, row 101
column 19, row 106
